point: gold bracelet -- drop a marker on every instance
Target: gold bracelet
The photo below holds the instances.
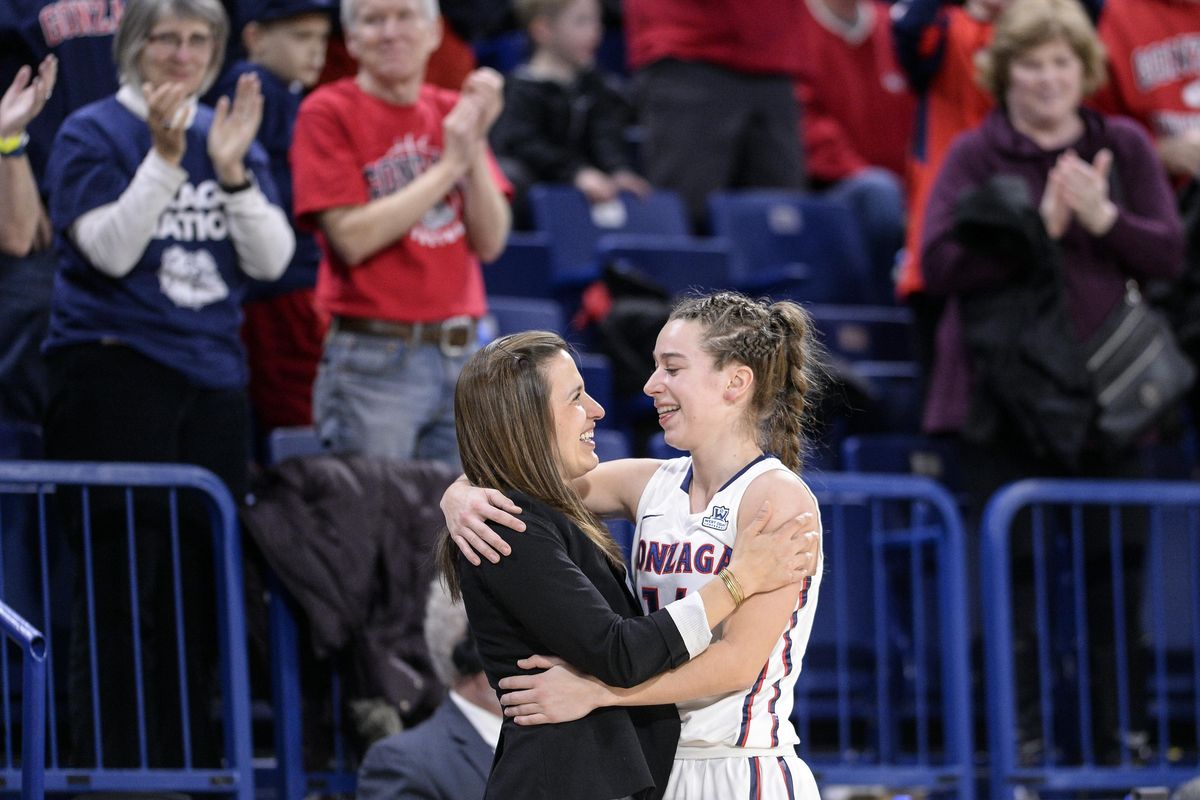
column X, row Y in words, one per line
column 731, row 583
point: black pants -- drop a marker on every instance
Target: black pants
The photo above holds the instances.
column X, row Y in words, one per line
column 709, row 128
column 110, row 403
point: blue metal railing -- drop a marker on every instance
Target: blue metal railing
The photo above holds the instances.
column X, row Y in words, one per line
column 884, row 696
column 33, row 702
column 1106, row 703
column 289, row 775
column 38, row 496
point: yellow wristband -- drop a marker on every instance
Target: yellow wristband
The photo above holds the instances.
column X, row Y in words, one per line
column 13, row 146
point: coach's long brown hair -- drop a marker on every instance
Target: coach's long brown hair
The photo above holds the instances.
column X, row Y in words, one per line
column 506, row 434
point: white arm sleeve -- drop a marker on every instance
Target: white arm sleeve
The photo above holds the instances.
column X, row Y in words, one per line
column 114, row 236
column 261, row 233
column 690, row 618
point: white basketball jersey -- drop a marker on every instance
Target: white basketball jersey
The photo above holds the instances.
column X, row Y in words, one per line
column 676, row 552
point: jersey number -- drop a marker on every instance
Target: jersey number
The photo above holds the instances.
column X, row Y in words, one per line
column 650, row 597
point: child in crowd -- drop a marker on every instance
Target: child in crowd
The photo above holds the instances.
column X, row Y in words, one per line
column 562, row 122
column 285, row 43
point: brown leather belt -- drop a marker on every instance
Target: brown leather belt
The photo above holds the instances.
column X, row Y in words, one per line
column 451, row 335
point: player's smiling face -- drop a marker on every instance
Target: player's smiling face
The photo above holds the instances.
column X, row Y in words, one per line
column 685, row 387
column 178, row 50
column 575, row 414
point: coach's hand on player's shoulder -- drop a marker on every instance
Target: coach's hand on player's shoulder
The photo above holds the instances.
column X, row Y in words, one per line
column 468, row 509
column 767, row 556
column 558, row 694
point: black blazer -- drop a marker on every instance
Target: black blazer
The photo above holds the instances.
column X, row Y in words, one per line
column 556, row 594
column 443, row 758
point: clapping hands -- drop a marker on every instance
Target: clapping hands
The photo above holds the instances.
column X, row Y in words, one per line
column 26, row 96
column 233, row 130
column 485, row 88
column 466, row 127
column 166, row 106
column 1080, row 190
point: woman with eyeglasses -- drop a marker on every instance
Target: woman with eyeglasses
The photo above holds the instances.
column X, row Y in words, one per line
column 165, row 212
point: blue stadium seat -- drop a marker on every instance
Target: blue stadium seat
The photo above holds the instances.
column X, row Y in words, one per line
column 612, row 444
column 866, row 333
column 597, row 375
column 657, row 447
column 516, row 314
column 622, row 531
column 575, row 226
column 294, row 442
column 676, row 263
column 502, row 52
column 791, row 243
column 906, row 454
column 896, row 388
column 524, row 269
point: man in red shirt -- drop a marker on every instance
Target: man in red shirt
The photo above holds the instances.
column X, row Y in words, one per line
column 858, row 115
column 1154, row 74
column 713, row 87
column 395, row 178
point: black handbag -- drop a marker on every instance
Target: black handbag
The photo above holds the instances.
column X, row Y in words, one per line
column 1138, row 370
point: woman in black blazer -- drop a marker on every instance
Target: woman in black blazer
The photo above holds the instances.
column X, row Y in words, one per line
column 525, row 425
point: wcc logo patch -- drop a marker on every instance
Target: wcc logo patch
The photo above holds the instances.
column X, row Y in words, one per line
column 719, row 521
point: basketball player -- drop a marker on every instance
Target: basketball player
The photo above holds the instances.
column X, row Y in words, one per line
column 731, row 386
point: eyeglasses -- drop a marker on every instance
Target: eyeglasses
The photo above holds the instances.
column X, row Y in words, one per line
column 173, row 41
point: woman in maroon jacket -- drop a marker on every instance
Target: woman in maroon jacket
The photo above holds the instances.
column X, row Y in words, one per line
column 1102, row 197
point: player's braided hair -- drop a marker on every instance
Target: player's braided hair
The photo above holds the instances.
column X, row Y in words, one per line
column 775, row 340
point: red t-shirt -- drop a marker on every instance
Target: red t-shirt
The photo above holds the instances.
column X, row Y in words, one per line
column 858, row 110
column 350, row 148
column 754, row 36
column 1154, row 63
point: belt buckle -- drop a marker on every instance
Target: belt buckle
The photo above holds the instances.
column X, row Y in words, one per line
column 449, row 326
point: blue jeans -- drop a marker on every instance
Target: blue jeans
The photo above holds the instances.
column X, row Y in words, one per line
column 382, row 396
column 877, row 198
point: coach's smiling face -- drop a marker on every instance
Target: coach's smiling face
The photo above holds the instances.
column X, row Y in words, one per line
column 575, row 414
